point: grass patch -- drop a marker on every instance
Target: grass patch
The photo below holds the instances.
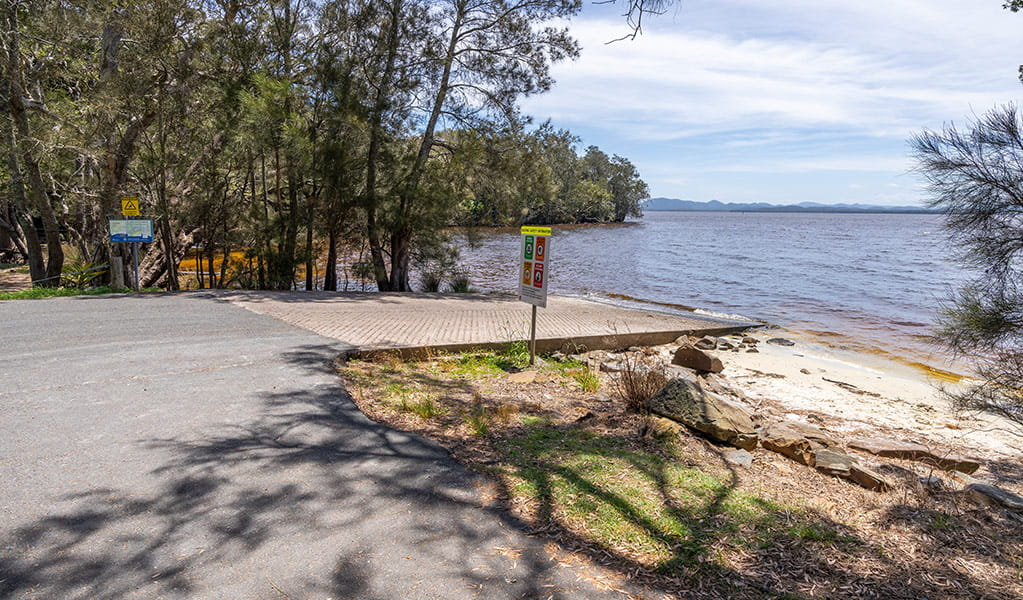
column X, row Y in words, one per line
column 23, row 269
column 486, row 362
column 56, row 292
column 669, row 516
column 478, row 419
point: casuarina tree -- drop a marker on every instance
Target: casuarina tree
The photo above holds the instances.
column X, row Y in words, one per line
column 976, row 179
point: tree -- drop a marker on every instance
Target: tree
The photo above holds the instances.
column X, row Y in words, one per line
column 976, row 179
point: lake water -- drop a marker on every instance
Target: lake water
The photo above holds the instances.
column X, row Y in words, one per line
column 855, row 281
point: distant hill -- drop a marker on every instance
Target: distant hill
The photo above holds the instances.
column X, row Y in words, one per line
column 672, row 204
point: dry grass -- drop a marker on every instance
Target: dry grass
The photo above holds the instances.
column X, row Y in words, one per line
column 673, row 515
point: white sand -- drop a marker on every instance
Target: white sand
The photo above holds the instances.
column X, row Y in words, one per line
column 895, row 400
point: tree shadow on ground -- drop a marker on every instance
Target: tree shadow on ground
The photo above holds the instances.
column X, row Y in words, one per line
column 702, row 537
column 369, row 512
column 309, row 481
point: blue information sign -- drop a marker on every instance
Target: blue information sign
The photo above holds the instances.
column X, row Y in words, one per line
column 131, row 230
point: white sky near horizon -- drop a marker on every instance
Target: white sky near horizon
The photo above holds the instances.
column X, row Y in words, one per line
column 784, row 101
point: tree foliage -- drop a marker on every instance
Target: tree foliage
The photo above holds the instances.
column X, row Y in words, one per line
column 976, row 179
column 271, row 139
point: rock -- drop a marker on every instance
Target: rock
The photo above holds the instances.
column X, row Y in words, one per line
column 753, row 351
column 706, row 343
column 748, row 339
column 933, row 482
column 797, row 441
column 738, row 457
column 868, row 478
column 716, row 384
column 989, row 495
column 919, row 452
column 805, row 371
column 725, row 345
column 635, row 349
column 558, row 356
column 612, row 366
column 833, row 462
column 522, row 377
column 781, row 342
column 685, row 401
column 660, row 427
column 697, row 359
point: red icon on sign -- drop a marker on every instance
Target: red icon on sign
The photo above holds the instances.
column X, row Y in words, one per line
column 538, row 274
column 541, row 247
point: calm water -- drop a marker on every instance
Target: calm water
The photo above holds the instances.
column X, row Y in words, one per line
column 856, row 281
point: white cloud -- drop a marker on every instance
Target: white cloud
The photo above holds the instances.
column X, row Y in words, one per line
column 783, row 87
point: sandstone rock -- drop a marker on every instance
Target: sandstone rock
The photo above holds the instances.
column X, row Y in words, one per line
column 697, row 359
column 834, row 463
column 781, row 342
column 725, row 345
column 662, row 428
column 911, row 451
column 522, row 377
column 612, row 366
column 750, row 340
column 753, row 351
column 805, row 371
column 685, row 401
column 989, row 495
column 797, row 441
column 738, row 457
column 706, row 343
column 868, row 478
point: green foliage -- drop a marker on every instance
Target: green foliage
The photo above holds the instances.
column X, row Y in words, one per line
column 460, row 283
column 478, row 419
column 628, row 497
column 40, row 292
column 485, row 362
column 974, row 179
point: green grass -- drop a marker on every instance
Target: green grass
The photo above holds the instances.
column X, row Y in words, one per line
column 478, row 420
column 41, row 292
column 487, row 362
column 425, row 407
column 23, row 269
column 636, row 501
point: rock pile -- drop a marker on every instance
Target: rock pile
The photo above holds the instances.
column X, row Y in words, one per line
column 696, row 397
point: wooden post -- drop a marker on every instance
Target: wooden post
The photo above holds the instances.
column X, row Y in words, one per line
column 532, row 338
column 116, row 272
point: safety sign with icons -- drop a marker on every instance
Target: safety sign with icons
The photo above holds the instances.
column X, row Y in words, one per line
column 535, row 260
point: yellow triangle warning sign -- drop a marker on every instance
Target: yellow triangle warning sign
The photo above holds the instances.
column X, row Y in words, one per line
column 130, row 206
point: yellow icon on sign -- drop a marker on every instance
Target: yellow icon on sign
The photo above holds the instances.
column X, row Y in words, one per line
column 130, row 206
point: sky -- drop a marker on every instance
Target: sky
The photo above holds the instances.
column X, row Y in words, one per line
column 784, row 101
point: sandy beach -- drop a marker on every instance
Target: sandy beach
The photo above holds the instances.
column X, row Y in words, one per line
column 863, row 395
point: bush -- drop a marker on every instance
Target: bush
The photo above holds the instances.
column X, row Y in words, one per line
column 638, row 381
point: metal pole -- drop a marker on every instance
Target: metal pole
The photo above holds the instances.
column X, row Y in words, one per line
column 532, row 338
column 135, row 262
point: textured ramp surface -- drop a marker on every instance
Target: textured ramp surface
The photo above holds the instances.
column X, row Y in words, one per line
column 375, row 321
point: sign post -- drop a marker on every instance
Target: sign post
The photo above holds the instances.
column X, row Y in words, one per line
column 534, row 270
column 133, row 231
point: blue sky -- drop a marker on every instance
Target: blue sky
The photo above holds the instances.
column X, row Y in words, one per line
column 784, row 101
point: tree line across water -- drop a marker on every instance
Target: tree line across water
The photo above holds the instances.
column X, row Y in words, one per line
column 288, row 129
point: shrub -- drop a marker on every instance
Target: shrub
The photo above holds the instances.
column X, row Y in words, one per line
column 638, row 381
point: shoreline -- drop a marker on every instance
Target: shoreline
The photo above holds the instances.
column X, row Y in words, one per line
column 864, row 395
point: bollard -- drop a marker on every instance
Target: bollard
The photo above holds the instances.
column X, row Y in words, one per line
column 116, row 273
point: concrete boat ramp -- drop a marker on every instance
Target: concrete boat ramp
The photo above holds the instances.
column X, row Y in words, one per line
column 417, row 324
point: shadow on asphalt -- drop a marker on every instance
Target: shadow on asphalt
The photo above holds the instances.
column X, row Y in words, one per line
column 376, row 513
column 312, row 465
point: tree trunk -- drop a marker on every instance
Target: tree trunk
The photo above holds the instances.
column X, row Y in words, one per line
column 22, row 141
column 330, row 276
column 373, row 234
